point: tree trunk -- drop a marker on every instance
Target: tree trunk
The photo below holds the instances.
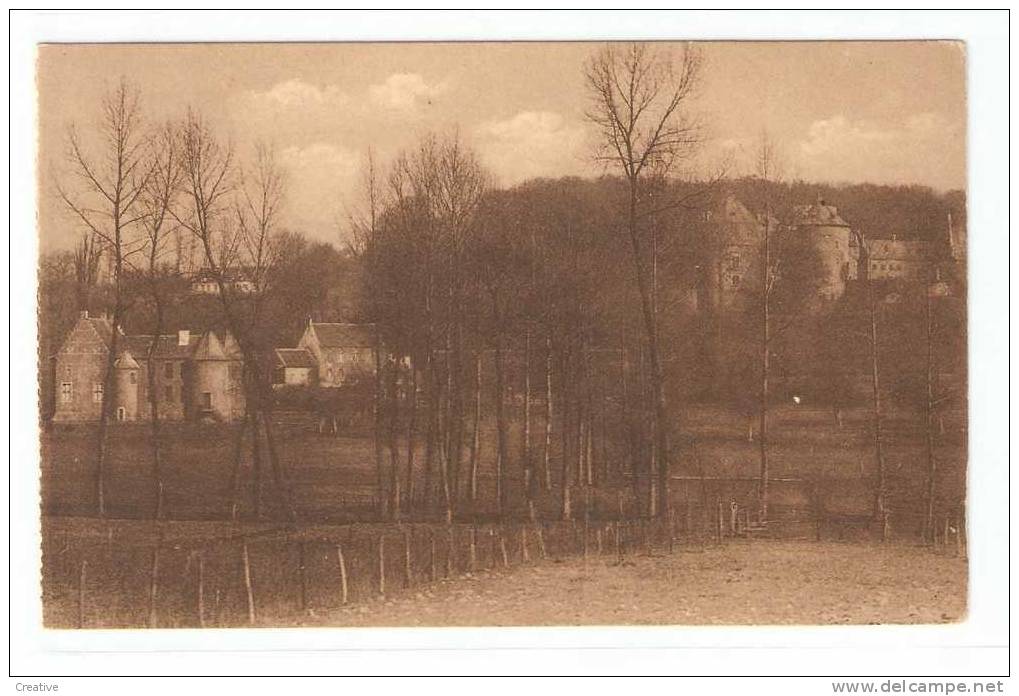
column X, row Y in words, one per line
column 157, row 465
column 394, row 447
column 879, row 484
column 476, row 436
column 501, row 437
column 380, row 475
column 765, row 368
column 547, row 458
column 411, row 428
column 528, row 468
column 932, row 462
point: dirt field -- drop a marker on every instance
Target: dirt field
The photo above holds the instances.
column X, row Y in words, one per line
column 761, row 582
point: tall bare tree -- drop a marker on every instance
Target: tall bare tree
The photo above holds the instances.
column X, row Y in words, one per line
column 767, row 170
column 104, row 197
column 208, row 209
column 156, row 200
column 640, row 105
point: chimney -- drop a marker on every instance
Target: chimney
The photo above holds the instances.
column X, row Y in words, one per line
column 183, row 337
column 84, row 314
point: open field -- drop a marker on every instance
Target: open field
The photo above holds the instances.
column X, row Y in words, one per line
column 750, row 583
column 109, row 574
column 333, row 476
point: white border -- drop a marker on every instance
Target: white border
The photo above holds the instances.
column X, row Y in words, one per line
column 967, row 648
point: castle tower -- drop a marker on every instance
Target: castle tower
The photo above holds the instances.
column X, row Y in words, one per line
column 125, row 404
column 209, row 389
column 819, row 230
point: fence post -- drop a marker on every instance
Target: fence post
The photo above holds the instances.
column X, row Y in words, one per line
column 598, row 540
column 81, row 592
column 382, row 564
column 541, row 541
column 153, row 585
column 343, row 573
column 959, row 537
column 407, row 575
column 201, row 590
column 302, row 575
column 944, row 536
column 451, row 551
column 472, row 550
column 525, row 556
column 502, row 548
column 491, row 546
column 721, row 522
column 432, row 570
column 672, row 530
column 247, row 582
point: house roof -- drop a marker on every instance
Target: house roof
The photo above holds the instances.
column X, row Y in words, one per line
column 167, row 346
column 344, row 335
column 817, row 214
column 294, row 357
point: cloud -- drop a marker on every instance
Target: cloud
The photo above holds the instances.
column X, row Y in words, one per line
column 405, row 92
column 924, row 147
column 318, row 177
column 297, row 94
column 532, row 144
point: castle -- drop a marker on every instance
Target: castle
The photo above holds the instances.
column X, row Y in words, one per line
column 196, row 376
column 732, row 272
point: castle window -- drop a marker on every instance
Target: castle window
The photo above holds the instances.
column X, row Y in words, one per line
column 66, row 392
column 134, row 377
column 97, row 392
column 67, row 371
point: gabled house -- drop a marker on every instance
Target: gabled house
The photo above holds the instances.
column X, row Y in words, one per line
column 342, row 353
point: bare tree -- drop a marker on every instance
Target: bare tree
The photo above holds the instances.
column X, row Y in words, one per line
column 155, row 203
column 640, row 96
column 767, row 170
column 105, row 200
column 209, row 185
column 87, row 255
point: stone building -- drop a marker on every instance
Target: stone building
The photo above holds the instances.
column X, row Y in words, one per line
column 342, row 353
column 891, row 259
column 197, row 376
column 820, row 230
column 732, row 267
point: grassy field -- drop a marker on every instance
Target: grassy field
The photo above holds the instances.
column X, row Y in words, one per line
column 333, row 476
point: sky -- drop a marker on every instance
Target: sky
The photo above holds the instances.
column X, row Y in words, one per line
column 880, row 112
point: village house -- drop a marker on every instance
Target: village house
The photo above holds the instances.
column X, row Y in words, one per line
column 897, row 259
column 294, row 367
column 238, row 280
column 197, row 376
column 342, row 353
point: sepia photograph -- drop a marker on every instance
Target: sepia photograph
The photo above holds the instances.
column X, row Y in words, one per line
column 446, row 334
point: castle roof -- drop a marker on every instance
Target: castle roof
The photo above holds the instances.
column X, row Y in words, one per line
column 817, row 215
column 167, row 346
column 344, row 335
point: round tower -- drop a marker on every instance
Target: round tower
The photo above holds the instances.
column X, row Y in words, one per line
column 125, row 379
column 210, row 380
column 829, row 239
